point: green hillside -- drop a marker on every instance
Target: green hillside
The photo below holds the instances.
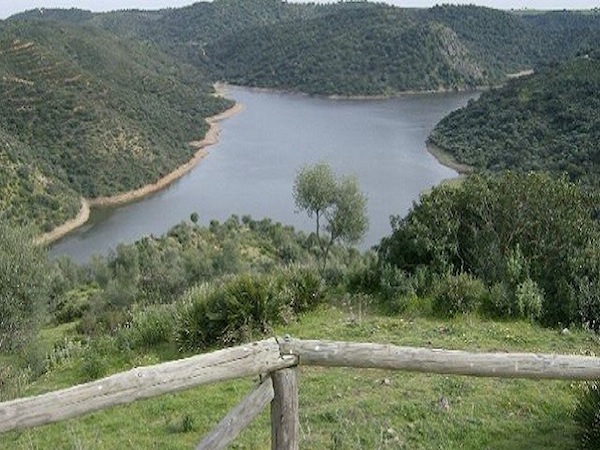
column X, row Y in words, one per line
column 549, row 121
column 87, row 113
column 358, row 49
column 350, row 48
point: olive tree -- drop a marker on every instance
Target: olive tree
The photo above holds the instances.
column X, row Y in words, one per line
column 337, row 204
column 24, row 286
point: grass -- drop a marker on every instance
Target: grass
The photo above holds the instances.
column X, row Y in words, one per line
column 350, row 408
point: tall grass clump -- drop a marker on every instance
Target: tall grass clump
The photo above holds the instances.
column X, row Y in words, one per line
column 587, row 416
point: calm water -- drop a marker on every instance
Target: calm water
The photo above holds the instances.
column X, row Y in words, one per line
column 252, row 168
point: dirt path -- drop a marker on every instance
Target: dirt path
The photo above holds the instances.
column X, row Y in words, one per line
column 211, row 138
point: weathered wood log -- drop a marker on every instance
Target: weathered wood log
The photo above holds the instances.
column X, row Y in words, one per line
column 144, row 382
column 285, row 422
column 381, row 356
column 238, row 418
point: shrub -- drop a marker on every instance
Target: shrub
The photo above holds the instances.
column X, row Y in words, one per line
column 243, row 306
column 74, row 304
column 457, row 294
column 24, row 286
column 305, row 287
column 364, row 276
column 13, row 381
column 529, row 299
column 192, row 323
column 395, row 288
column 525, row 300
column 505, row 229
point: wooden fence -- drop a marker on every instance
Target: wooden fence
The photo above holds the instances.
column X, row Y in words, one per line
column 276, row 360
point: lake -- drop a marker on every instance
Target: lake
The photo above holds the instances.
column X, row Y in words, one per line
column 252, row 168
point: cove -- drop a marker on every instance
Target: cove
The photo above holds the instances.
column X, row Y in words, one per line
column 252, row 168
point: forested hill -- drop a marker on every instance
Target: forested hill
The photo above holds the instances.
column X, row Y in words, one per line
column 357, row 49
column 349, row 48
column 85, row 113
column 549, row 121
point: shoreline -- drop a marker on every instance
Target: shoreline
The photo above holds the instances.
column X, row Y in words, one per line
column 211, row 138
column 446, row 159
column 337, row 97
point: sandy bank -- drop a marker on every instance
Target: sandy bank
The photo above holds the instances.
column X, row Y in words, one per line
column 82, row 217
column 211, row 138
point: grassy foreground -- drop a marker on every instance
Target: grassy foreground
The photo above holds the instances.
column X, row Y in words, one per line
column 351, row 408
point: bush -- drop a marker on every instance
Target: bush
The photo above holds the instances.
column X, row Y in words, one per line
column 13, row 381
column 457, row 294
column 524, row 300
column 74, row 304
column 304, row 285
column 587, row 416
column 244, row 306
column 395, row 289
column 227, row 313
column 506, row 229
column 95, row 360
column 529, row 299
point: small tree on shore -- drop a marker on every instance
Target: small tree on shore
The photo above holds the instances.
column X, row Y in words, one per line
column 338, row 205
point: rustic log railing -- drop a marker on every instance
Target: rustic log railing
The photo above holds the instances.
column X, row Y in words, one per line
column 276, row 360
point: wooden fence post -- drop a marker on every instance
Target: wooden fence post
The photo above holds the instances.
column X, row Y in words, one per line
column 285, row 422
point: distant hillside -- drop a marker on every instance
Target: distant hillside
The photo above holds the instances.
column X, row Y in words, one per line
column 567, row 32
column 360, row 48
column 355, row 49
column 500, row 41
column 86, row 113
column 351, row 48
column 550, row 121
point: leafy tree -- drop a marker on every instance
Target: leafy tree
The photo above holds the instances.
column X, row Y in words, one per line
column 24, row 286
column 338, row 202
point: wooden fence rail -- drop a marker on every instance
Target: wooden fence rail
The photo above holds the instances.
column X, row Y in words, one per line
column 144, row 382
column 277, row 358
column 504, row 365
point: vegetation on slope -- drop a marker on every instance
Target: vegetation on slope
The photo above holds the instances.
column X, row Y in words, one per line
column 243, row 279
column 548, row 121
column 85, row 113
